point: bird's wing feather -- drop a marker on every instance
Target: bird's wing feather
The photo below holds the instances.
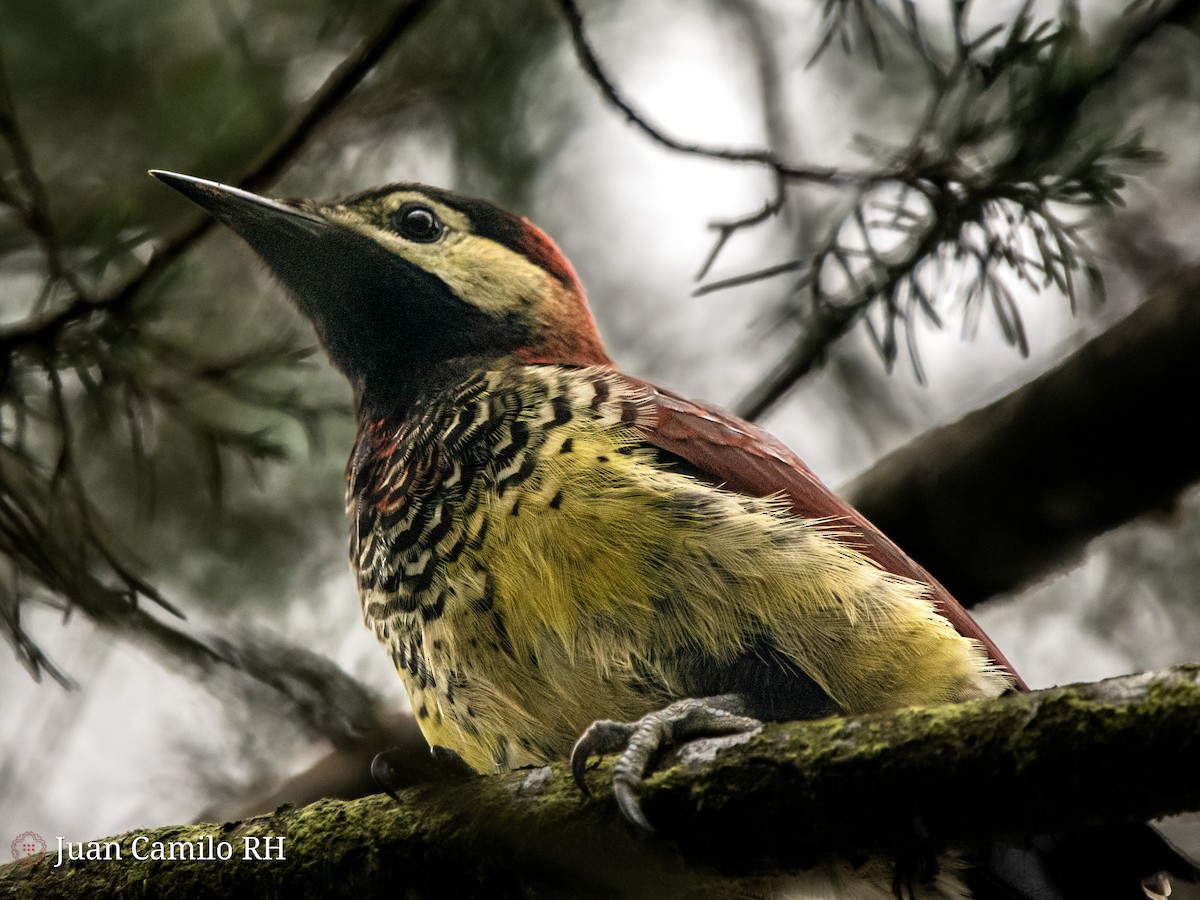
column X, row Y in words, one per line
column 744, row 458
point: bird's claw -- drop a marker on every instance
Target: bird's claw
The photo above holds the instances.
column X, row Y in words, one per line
column 641, row 741
column 604, row 736
column 393, row 769
column 626, row 794
column 382, row 771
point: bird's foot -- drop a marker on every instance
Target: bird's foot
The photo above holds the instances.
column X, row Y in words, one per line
column 641, row 741
column 394, row 769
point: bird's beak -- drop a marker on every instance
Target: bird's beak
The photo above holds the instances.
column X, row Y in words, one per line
column 301, row 246
column 338, row 277
column 250, row 215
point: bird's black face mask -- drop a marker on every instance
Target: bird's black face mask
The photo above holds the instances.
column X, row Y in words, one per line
column 386, row 323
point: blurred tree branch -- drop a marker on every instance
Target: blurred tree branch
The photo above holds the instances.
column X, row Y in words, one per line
column 1062, row 759
column 343, row 773
column 34, row 207
column 352, row 70
column 980, row 191
column 764, row 157
column 1018, row 487
column 757, row 25
column 57, row 545
column 979, row 188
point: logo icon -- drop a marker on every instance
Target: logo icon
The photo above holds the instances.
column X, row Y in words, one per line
column 30, row 843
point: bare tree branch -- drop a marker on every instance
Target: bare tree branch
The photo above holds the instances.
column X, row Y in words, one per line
column 763, row 157
column 821, row 328
column 977, row 214
column 1060, row 249
column 758, row 26
column 316, row 693
column 344, row 773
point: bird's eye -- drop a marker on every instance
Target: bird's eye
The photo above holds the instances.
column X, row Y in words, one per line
column 417, row 223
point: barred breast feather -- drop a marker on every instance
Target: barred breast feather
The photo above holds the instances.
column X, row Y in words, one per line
column 534, row 564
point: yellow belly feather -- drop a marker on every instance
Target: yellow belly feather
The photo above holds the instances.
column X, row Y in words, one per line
column 604, row 563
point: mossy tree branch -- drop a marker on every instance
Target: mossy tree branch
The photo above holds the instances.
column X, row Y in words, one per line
column 1122, row 749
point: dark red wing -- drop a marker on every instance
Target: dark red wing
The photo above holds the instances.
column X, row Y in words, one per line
column 744, row 458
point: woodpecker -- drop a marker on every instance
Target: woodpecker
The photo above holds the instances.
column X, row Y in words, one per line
column 563, row 559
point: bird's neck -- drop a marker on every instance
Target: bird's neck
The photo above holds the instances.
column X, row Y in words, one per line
column 410, row 389
column 564, row 333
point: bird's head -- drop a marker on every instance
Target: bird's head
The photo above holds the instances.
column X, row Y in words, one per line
column 407, row 281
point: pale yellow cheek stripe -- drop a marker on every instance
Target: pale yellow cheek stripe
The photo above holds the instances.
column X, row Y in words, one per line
column 495, row 278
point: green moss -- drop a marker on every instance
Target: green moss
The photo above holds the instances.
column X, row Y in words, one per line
column 531, row 833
